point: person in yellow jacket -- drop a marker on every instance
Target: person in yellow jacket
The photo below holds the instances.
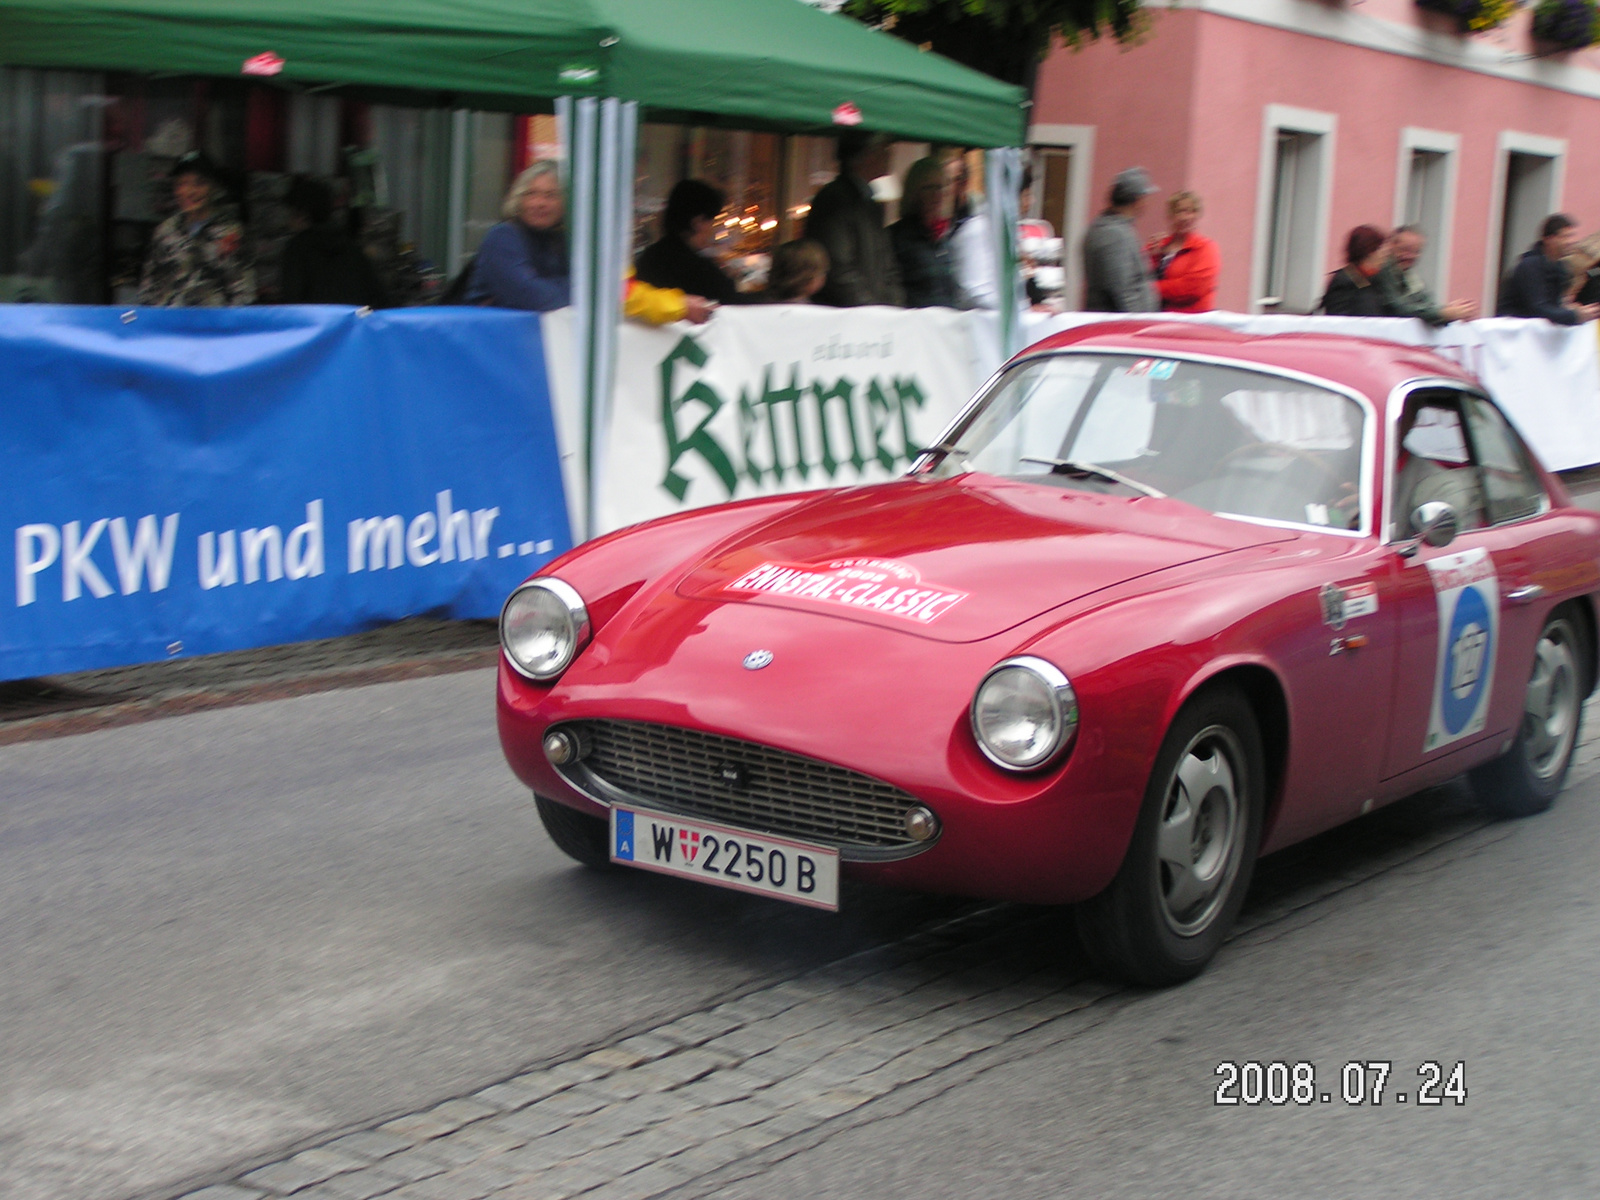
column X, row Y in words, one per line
column 662, row 306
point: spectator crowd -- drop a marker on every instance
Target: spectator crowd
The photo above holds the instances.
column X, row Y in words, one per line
column 937, row 254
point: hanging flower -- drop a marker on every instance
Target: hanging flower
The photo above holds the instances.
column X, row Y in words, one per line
column 1474, row 16
column 1569, row 24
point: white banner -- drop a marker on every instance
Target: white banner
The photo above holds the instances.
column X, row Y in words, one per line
column 785, row 398
column 779, row 398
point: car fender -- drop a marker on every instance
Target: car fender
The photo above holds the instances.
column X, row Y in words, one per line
column 1128, row 702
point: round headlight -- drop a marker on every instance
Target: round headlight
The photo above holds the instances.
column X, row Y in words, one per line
column 1024, row 713
column 542, row 627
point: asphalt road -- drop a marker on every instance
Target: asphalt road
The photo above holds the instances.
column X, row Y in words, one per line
column 230, row 934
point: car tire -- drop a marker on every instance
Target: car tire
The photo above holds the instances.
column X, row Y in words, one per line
column 1193, row 850
column 580, row 836
column 1525, row 779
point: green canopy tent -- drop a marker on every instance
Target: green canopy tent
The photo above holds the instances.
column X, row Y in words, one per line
column 774, row 64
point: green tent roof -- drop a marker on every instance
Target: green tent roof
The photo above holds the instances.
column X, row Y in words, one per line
column 768, row 62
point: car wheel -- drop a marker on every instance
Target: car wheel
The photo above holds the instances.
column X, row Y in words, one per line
column 1525, row 779
column 585, row 838
column 1189, row 864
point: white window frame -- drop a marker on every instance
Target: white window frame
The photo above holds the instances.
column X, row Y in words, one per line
column 1283, row 118
column 1432, row 141
column 1080, row 140
column 1510, row 142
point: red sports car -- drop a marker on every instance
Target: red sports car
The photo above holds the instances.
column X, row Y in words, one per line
column 1163, row 598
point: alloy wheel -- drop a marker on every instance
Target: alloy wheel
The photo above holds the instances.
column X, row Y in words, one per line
column 1200, row 839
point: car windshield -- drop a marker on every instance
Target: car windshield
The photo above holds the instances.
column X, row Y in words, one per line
column 1226, row 439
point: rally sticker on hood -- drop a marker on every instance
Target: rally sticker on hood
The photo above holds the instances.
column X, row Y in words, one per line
column 879, row 585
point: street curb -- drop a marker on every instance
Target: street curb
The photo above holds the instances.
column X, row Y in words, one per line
column 131, row 712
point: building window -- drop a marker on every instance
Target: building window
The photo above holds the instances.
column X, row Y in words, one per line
column 1292, row 210
column 1425, row 190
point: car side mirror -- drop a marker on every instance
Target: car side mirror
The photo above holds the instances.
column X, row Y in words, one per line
column 1435, row 523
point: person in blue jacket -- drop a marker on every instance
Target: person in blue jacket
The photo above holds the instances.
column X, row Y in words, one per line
column 522, row 262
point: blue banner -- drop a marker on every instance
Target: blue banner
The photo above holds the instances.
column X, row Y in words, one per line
column 188, row 481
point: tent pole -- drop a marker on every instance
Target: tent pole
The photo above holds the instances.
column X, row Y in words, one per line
column 601, row 138
column 1003, row 181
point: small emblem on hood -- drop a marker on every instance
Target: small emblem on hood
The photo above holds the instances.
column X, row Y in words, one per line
column 757, row 659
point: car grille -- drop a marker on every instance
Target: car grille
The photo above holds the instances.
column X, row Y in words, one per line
column 722, row 778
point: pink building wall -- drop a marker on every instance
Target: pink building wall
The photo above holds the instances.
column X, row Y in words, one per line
column 1189, row 105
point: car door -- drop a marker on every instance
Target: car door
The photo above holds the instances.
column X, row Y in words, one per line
column 1470, row 611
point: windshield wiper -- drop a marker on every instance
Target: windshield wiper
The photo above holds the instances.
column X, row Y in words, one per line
column 1083, row 470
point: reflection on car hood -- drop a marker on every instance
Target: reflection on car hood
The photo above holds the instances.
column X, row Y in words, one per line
column 959, row 559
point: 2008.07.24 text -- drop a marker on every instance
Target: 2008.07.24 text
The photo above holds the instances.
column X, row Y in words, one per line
column 1372, row 1082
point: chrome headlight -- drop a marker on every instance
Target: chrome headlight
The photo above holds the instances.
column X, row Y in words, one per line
column 1024, row 713
column 542, row 627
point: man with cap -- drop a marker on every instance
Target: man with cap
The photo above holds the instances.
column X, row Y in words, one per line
column 1116, row 272
column 198, row 257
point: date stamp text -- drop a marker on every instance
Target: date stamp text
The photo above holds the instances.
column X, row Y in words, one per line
column 1359, row 1083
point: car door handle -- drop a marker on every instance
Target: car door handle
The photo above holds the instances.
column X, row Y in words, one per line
column 1524, row 595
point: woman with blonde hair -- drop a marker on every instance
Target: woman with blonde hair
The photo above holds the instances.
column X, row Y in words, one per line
column 921, row 238
column 1185, row 263
column 522, row 262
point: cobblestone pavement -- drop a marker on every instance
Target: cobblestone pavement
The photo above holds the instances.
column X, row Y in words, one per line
column 686, row 1100
column 721, row 1094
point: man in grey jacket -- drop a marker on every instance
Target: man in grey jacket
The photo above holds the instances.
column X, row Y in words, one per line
column 1116, row 271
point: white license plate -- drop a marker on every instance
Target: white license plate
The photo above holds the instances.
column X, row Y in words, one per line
column 727, row 857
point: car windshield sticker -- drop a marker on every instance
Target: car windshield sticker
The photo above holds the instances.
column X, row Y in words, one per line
column 1163, row 369
column 1342, row 604
column 891, row 588
column 1468, row 596
column 1142, row 367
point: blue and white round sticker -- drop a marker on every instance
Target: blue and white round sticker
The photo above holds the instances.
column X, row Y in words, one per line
column 1468, row 595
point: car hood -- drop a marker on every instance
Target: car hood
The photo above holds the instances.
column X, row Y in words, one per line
column 959, row 559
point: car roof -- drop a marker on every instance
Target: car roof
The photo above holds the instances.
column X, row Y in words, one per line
column 1367, row 365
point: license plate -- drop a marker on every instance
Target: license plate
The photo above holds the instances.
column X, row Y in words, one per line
column 800, row 872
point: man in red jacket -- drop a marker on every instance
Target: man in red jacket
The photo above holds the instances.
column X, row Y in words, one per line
column 1185, row 263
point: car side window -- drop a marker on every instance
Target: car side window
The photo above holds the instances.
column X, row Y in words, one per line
column 1511, row 488
column 1435, row 462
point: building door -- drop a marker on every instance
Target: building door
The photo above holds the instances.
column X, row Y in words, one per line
column 1289, row 268
column 1053, row 188
column 1530, row 197
column 1427, row 189
column 1063, row 159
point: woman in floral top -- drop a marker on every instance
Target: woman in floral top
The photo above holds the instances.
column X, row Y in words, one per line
column 198, row 256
